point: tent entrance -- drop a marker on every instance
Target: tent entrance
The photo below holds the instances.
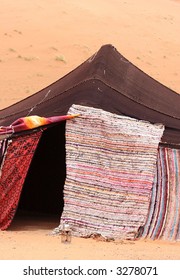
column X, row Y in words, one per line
column 43, row 188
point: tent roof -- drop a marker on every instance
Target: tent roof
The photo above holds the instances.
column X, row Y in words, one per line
column 109, row 81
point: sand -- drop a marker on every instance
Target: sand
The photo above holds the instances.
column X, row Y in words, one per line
column 30, row 238
column 43, row 40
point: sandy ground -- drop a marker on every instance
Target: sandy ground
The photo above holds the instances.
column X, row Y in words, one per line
column 31, row 238
column 43, row 40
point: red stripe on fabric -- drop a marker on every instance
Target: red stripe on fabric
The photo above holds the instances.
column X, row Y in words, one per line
column 156, row 229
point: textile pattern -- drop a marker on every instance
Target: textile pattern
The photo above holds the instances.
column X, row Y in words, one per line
column 3, row 148
column 17, row 161
column 110, row 161
column 164, row 213
column 31, row 122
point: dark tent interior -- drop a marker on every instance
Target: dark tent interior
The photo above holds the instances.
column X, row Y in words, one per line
column 42, row 193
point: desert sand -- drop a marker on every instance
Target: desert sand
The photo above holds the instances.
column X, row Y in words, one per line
column 43, row 40
column 31, row 238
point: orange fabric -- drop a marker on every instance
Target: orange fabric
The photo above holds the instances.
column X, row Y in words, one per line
column 31, row 122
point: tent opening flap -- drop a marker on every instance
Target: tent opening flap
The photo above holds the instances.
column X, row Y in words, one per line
column 43, row 188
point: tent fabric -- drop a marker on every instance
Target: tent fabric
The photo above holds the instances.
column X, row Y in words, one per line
column 111, row 161
column 111, row 149
column 31, row 122
column 20, row 152
column 108, row 81
column 164, row 213
column 3, row 149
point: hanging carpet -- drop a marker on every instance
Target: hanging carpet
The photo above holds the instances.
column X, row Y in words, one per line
column 164, row 212
column 14, row 170
column 111, row 161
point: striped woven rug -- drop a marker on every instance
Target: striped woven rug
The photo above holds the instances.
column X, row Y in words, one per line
column 111, row 162
column 164, row 213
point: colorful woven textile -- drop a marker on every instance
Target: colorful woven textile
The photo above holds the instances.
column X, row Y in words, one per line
column 32, row 122
column 164, row 213
column 17, row 161
column 111, row 161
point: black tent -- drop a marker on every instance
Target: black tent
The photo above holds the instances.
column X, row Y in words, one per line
column 106, row 81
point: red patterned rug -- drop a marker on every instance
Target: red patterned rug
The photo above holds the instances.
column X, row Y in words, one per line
column 15, row 168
